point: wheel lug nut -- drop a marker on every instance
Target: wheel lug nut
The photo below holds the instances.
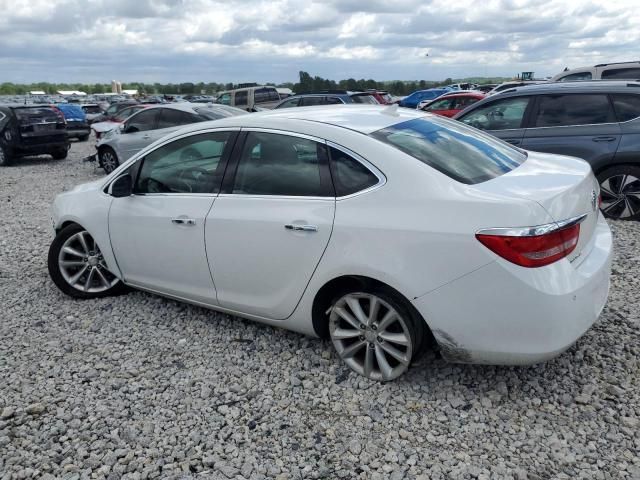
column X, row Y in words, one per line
column 372, row 345
column 380, row 340
column 374, row 327
column 362, row 326
column 362, row 338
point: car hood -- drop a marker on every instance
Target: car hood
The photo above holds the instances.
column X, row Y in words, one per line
column 104, row 126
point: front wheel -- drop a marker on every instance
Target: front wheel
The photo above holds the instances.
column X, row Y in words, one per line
column 77, row 267
column 620, row 190
column 375, row 334
column 108, row 159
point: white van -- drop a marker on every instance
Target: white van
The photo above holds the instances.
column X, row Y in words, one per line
column 603, row 71
column 250, row 97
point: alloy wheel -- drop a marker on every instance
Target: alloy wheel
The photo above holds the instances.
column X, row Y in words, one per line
column 82, row 265
column 620, row 196
column 371, row 336
column 109, row 161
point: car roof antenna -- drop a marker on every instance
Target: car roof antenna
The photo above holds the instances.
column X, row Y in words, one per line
column 391, row 110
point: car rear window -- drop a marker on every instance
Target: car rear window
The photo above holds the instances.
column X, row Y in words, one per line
column 370, row 99
column 30, row 115
column 460, row 152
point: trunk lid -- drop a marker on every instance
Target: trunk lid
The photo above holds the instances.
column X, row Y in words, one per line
column 564, row 186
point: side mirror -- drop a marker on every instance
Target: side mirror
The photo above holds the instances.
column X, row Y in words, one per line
column 122, row 186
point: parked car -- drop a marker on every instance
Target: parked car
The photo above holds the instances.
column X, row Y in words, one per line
column 418, row 96
column 113, row 121
column 513, row 84
column 328, row 97
column 249, row 98
column 450, row 105
column 77, row 125
column 31, row 130
column 603, row 71
column 597, row 121
column 91, row 111
column 146, row 126
column 383, row 232
column 424, row 103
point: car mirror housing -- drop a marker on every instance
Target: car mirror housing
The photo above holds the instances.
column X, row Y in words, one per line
column 122, row 186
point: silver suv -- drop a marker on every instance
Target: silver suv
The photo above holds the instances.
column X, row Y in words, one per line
column 597, row 121
column 603, row 71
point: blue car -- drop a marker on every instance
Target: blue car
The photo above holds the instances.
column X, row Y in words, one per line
column 77, row 125
column 416, row 97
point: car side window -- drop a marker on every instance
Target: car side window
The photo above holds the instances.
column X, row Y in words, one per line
column 310, row 101
column 290, row 103
column 573, row 109
column 333, row 101
column 573, row 77
column 186, row 165
column 349, row 175
column 224, row 99
column 274, row 164
column 240, row 98
column 444, row 104
column 143, row 121
column 498, row 115
column 621, row 74
column 627, row 106
column 170, row 117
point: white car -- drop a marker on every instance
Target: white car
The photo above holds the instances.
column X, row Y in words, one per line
column 387, row 230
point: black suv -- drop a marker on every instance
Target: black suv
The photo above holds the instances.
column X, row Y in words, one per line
column 31, row 130
column 597, row 121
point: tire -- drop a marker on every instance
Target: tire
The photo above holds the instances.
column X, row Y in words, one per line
column 108, row 159
column 620, row 190
column 60, row 154
column 5, row 159
column 382, row 347
column 81, row 276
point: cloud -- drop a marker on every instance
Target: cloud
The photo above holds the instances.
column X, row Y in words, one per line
column 260, row 40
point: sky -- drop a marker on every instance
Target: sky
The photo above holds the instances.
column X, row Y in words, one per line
column 95, row 41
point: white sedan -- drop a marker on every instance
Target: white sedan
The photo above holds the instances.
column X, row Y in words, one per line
column 387, row 230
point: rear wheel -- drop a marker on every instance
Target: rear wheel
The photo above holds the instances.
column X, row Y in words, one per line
column 60, row 153
column 620, row 190
column 108, row 159
column 4, row 157
column 375, row 333
column 77, row 267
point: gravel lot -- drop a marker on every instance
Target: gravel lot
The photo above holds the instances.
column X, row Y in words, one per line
column 142, row 387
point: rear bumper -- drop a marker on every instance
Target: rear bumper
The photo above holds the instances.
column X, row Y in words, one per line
column 505, row 314
column 40, row 148
column 78, row 131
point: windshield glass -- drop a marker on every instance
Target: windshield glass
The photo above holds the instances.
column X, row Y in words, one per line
column 460, row 152
column 364, row 99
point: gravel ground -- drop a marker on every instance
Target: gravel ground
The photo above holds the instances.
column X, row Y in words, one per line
column 142, row 387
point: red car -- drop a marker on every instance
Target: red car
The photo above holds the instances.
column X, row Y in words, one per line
column 450, row 104
column 381, row 96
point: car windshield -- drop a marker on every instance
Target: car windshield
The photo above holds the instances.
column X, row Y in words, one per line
column 459, row 152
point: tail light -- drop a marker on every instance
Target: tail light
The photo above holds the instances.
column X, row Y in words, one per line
column 533, row 247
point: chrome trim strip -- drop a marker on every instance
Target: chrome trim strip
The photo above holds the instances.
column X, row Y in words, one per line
column 533, row 231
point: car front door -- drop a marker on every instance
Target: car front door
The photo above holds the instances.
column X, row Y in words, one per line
column 271, row 224
column 503, row 118
column 157, row 234
column 580, row 125
column 137, row 133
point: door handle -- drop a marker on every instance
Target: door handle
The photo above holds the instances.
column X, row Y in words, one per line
column 513, row 142
column 146, row 137
column 603, row 139
column 183, row 221
column 301, row 228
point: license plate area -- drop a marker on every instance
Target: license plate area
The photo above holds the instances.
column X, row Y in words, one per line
column 44, row 127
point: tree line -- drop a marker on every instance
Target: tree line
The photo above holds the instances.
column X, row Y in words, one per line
column 306, row 83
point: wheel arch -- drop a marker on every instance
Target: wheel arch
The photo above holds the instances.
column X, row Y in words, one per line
column 327, row 292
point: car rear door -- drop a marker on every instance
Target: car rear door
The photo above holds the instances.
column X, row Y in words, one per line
column 582, row 125
column 502, row 117
column 170, row 120
column 272, row 222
